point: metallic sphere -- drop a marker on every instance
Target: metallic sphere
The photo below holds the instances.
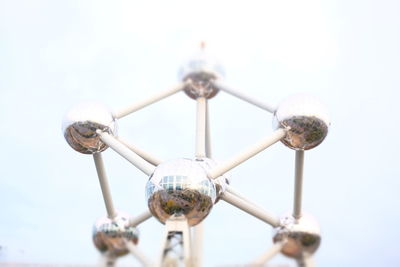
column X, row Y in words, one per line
column 80, row 124
column 181, row 187
column 302, row 236
column 110, row 236
column 201, row 69
column 306, row 119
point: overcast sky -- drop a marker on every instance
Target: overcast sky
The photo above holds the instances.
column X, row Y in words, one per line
column 54, row 54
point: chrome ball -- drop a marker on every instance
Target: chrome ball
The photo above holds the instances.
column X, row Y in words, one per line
column 181, row 187
column 81, row 123
column 306, row 119
column 301, row 236
column 201, row 69
column 110, row 235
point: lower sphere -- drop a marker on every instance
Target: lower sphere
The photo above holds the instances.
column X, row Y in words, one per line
column 110, row 235
column 181, row 187
column 301, row 236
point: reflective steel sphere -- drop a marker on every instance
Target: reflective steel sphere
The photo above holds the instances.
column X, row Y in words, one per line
column 80, row 124
column 181, row 187
column 302, row 236
column 306, row 119
column 201, row 69
column 109, row 236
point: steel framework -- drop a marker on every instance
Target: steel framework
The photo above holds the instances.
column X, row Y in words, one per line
column 301, row 124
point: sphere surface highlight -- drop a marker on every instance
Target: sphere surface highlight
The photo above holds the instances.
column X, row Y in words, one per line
column 306, row 119
column 181, row 187
column 81, row 123
column 302, row 236
column 109, row 236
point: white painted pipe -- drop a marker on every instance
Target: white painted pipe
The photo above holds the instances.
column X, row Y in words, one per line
column 145, row 155
column 105, row 188
column 245, row 155
column 244, row 97
column 208, row 135
column 306, row 262
column 140, row 218
column 198, row 236
column 201, row 127
column 135, row 107
column 269, row 254
column 250, row 208
column 125, row 152
column 298, row 187
column 139, row 255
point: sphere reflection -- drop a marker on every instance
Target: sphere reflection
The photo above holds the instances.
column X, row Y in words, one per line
column 306, row 119
column 201, row 69
column 181, row 187
column 81, row 123
column 109, row 236
column 302, row 236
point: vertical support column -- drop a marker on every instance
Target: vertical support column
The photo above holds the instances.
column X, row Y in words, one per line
column 208, row 137
column 197, row 254
column 201, row 127
column 177, row 242
column 298, row 187
column 203, row 149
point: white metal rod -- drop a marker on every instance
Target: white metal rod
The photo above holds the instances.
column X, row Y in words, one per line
column 178, row 225
column 269, row 254
column 244, row 97
column 105, row 189
column 135, row 107
column 306, row 262
column 139, row 255
column 208, row 136
column 141, row 218
column 245, row 155
column 250, row 208
column 197, row 254
column 125, row 152
column 234, row 192
column 145, row 155
column 106, row 260
column 201, row 127
column 298, row 187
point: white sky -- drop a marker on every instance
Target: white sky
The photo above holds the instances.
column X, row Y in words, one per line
column 54, row 54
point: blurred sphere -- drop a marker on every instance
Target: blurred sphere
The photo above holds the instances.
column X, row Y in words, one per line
column 109, row 236
column 80, row 124
column 201, row 69
column 181, row 187
column 307, row 120
column 302, row 236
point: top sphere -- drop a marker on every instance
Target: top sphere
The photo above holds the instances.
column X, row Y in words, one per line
column 201, row 69
column 80, row 124
column 306, row 119
column 302, row 236
column 181, row 187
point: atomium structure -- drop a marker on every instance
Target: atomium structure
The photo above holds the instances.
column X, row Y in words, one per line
column 182, row 192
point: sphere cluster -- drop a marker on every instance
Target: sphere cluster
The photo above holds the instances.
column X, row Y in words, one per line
column 81, row 123
column 110, row 235
column 181, row 187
